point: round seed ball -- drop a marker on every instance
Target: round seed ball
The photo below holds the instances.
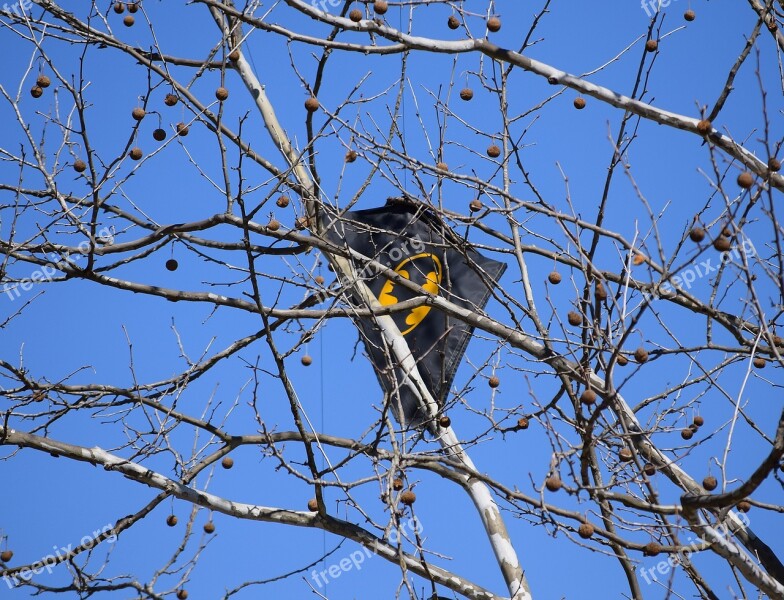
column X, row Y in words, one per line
column 466, row 94
column 554, row 277
column 579, row 103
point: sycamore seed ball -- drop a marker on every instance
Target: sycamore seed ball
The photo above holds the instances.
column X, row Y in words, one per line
column 585, row 530
column 380, row 7
column 466, row 94
column 553, row 483
column 453, row 22
column 312, row 505
column 641, row 355
column 554, row 277
column 704, row 127
column 227, row 462
column 311, row 104
column 408, row 497
column 171, row 520
column 745, row 180
column 697, row 234
column 355, row 15
column 494, row 24
column 710, row 483
column 579, row 103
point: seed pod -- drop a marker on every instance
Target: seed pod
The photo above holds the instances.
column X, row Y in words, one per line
column 442, row 166
column 553, row 483
column 351, row 156
column 493, row 382
column 311, row 104
column 209, row 527
column 355, row 15
column 493, row 151
column 625, row 455
column 722, row 244
column 453, row 22
column 689, row 15
column 687, row 433
column 171, row 264
column 182, row 595
column 649, row 469
column 182, row 129
column 588, row 397
column 6, row 555
column 128, row 20
column 522, row 423
column 774, row 164
column 651, row 549
column 651, row 46
column 43, row 81
column 397, row 484
column 227, row 462
column 119, row 7
column 136, row 153
column 579, row 103
column 282, row 201
column 554, row 277
column 641, row 355
column 585, row 530
column 697, row 234
column 622, row 360
column 444, row 421
column 408, row 497
column 138, row 113
column 79, row 165
column 475, row 205
column 744, row 506
column 466, row 94
column 234, row 55
column 710, row 483
column 759, row 362
column 221, row 93
column 574, row 318
column 704, row 127
column 380, row 7
column 171, row 520
column 159, row 134
column 312, row 505
column 745, row 180
column 273, row 225
column 494, row 24
column 170, row 99
column 306, row 360
column 698, row 420
column 36, row 91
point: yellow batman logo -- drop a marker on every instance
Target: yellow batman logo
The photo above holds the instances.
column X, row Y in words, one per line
column 427, row 266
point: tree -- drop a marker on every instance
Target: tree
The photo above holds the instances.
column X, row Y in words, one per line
column 170, row 286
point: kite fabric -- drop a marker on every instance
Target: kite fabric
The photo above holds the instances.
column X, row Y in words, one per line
column 413, row 242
